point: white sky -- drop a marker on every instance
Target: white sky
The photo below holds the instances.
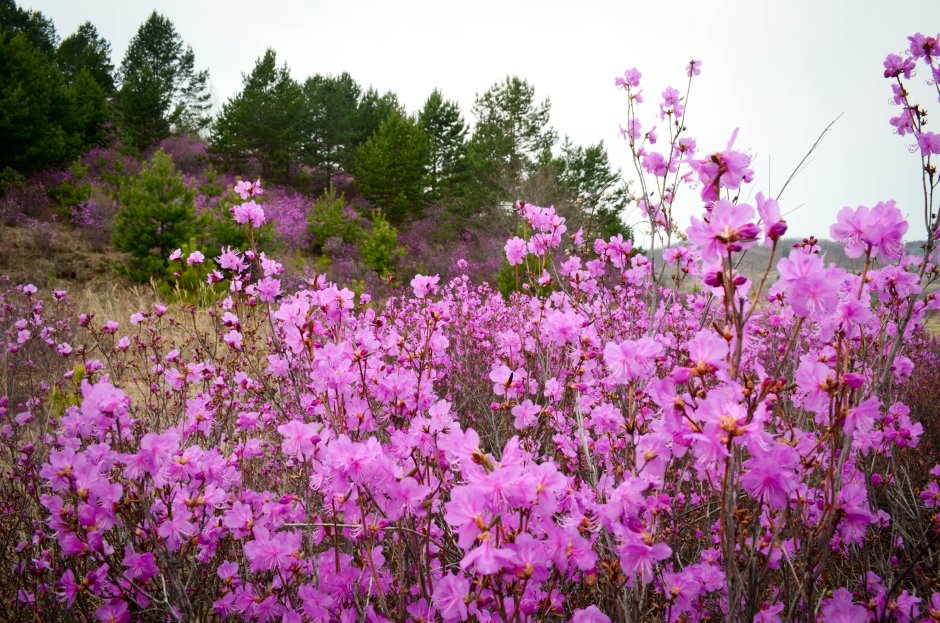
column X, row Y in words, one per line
column 780, row 71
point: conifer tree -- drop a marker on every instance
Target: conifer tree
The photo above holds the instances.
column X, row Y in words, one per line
column 161, row 90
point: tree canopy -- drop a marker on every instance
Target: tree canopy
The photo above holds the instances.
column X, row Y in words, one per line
column 161, row 90
column 264, row 121
column 391, row 167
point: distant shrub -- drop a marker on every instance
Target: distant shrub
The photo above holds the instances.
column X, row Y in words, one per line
column 331, row 217
column 380, row 249
column 156, row 216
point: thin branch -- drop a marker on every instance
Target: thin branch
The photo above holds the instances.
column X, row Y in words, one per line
column 808, row 154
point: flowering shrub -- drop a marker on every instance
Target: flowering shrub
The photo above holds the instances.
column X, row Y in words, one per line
column 596, row 447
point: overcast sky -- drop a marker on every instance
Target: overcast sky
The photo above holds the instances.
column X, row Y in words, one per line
column 779, row 71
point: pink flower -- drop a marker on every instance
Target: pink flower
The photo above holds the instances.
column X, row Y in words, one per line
column 880, row 229
column 638, row 556
column 466, row 511
column 728, row 228
column 486, row 558
column 896, row 66
column 231, row 260
column 272, row 552
column 248, row 213
column 811, row 289
column 655, row 163
column 140, row 566
column 631, row 359
column 924, row 47
column 450, row 593
column 631, row 78
column 769, row 613
column 707, row 351
column 424, row 285
column 772, row 223
column 177, row 528
column 725, row 169
column 515, row 251
column 176, row 255
column 929, row 143
column 195, row 257
column 694, row 68
column 591, row 614
column 247, row 189
column 114, row 611
column 769, row 476
column 841, row 609
column 300, row 439
column 506, row 382
column 526, row 414
column 234, row 339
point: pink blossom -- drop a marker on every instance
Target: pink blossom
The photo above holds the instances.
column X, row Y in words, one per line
column 879, row 229
column 772, row 223
column 300, row 438
column 591, row 614
column 631, row 78
column 841, row 609
column 114, row 611
column 525, row 414
column 726, row 169
column 450, row 592
column 727, row 229
column 248, row 213
column 638, row 556
column 276, row 551
column 515, row 251
column 631, row 359
column 423, row 285
column 246, row 189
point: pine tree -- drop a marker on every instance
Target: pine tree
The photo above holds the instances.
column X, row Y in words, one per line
column 36, row 116
column 85, row 49
column 331, row 117
column 512, row 136
column 38, row 29
column 264, row 121
column 391, row 167
column 161, row 91
column 90, row 111
column 373, row 109
column 595, row 188
column 444, row 125
column 156, row 216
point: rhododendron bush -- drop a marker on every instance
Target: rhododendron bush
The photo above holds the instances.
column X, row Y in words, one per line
column 630, row 436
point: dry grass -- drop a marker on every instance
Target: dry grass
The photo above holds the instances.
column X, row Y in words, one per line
column 55, row 256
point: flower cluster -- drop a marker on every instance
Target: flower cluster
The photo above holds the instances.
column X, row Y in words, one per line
column 595, row 447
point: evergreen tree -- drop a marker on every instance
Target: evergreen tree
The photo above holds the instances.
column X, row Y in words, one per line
column 38, row 29
column 85, row 49
column 264, row 121
column 156, row 216
column 444, row 125
column 90, row 111
column 391, row 167
column 595, row 188
column 161, row 91
column 36, row 116
column 511, row 138
column 374, row 108
column 379, row 247
column 331, row 118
